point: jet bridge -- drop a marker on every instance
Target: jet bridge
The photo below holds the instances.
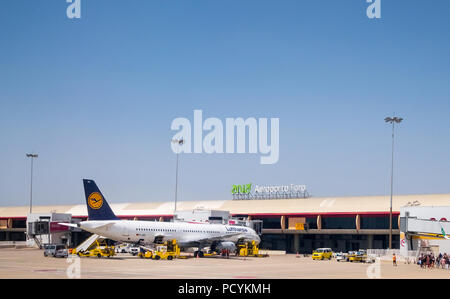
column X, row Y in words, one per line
column 424, row 227
column 427, row 227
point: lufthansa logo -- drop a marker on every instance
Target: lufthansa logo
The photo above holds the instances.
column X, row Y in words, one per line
column 95, row 200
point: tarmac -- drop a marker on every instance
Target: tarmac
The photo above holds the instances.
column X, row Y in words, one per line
column 31, row 263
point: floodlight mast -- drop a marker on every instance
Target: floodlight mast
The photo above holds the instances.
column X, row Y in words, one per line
column 32, row 156
column 393, row 121
column 179, row 142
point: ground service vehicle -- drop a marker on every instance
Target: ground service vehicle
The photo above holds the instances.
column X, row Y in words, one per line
column 248, row 249
column 123, row 248
column 148, row 254
column 55, row 250
column 358, row 256
column 100, row 249
column 169, row 250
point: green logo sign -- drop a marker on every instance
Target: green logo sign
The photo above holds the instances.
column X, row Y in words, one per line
column 241, row 189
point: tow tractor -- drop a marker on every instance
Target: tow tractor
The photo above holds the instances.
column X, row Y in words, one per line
column 248, row 249
column 145, row 253
column 165, row 251
column 360, row 256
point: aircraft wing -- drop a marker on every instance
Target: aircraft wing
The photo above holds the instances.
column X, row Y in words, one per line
column 103, row 226
column 69, row 224
column 437, row 236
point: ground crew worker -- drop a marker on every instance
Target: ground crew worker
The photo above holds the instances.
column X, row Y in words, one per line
column 394, row 260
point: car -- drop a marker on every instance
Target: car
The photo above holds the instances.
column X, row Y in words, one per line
column 357, row 256
column 61, row 251
column 349, row 255
column 134, row 250
column 341, row 257
column 123, row 248
column 371, row 258
column 49, row 249
column 55, row 250
column 322, row 253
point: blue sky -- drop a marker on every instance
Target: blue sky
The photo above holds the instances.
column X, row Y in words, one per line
column 95, row 96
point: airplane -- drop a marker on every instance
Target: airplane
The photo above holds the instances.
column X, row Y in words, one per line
column 102, row 221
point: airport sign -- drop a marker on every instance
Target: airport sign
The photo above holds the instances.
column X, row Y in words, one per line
column 245, row 191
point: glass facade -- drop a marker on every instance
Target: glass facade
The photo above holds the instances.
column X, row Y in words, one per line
column 12, row 236
column 305, row 243
column 378, row 222
column 271, row 223
column 339, row 222
column 311, row 222
column 17, row 223
column 338, row 243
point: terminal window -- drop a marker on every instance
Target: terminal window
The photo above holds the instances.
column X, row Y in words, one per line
column 273, row 223
column 378, row 222
column 338, row 223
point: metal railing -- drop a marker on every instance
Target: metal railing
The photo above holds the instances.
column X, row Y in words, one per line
column 386, row 254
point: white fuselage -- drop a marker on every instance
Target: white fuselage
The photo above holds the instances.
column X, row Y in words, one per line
column 145, row 232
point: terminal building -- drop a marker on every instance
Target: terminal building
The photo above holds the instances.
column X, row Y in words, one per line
column 293, row 225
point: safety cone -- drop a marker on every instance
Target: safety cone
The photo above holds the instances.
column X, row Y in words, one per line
column 297, row 256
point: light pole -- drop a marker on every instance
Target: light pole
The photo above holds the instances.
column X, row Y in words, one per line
column 179, row 142
column 393, row 121
column 32, row 156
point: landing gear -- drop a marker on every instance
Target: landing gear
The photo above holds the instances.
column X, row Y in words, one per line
column 198, row 253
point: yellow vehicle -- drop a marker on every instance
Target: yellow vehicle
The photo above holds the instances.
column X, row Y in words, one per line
column 99, row 249
column 248, row 249
column 358, row 256
column 322, row 254
column 148, row 254
column 166, row 251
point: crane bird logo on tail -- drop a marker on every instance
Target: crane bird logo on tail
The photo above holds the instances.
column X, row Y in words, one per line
column 95, row 200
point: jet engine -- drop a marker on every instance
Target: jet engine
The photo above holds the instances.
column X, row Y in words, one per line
column 225, row 246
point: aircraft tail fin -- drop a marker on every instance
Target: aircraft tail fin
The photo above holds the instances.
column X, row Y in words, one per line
column 443, row 233
column 98, row 208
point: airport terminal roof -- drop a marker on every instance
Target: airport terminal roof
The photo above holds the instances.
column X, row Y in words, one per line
column 304, row 206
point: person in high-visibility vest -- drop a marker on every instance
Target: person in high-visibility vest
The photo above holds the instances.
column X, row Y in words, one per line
column 394, row 260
